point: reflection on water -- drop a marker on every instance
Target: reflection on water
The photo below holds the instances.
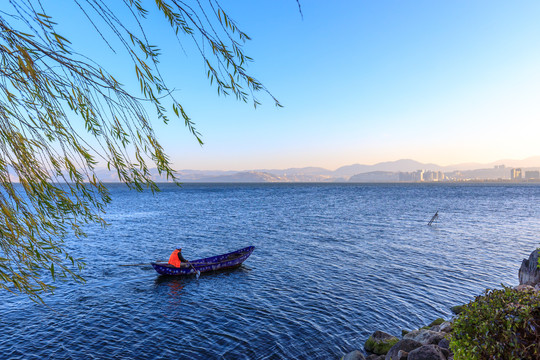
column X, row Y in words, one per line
column 176, row 287
column 174, row 284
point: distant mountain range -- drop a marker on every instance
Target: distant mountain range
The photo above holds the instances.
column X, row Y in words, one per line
column 384, row 171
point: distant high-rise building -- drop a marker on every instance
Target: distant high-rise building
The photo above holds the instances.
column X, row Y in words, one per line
column 515, row 174
column 406, row 176
column 532, row 175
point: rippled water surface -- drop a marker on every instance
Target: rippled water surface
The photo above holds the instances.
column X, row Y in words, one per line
column 332, row 264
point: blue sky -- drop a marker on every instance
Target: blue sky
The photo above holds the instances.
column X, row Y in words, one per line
column 361, row 82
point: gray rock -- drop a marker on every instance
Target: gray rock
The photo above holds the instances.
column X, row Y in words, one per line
column 446, row 352
column 427, row 352
column 380, row 342
column 529, row 274
column 375, row 357
column 425, row 337
column 445, row 327
column 402, row 355
column 402, row 345
column 524, row 287
column 444, row 344
column 354, row 355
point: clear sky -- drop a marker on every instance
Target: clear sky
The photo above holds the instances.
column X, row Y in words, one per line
column 362, row 82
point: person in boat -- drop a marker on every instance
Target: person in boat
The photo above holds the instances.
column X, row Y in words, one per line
column 176, row 259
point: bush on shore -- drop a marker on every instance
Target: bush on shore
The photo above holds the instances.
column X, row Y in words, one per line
column 500, row 324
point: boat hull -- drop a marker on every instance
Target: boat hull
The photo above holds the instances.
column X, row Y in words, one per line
column 219, row 262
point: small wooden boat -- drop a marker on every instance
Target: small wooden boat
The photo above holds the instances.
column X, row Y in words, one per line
column 225, row 261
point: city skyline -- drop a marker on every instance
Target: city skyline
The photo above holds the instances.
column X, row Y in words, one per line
column 403, row 170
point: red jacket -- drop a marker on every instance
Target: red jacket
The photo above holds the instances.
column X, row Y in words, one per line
column 174, row 260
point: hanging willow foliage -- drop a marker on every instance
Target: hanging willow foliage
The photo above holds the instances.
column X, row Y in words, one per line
column 45, row 87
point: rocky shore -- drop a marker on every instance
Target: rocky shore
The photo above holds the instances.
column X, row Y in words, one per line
column 429, row 342
column 432, row 342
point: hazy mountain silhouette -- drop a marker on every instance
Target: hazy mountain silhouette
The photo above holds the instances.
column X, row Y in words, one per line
column 530, row 162
column 404, row 165
column 245, row 176
column 299, row 171
column 384, row 171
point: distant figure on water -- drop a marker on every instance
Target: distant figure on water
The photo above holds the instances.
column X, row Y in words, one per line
column 176, row 258
column 434, row 218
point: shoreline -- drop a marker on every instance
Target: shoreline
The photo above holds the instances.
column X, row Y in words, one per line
column 432, row 342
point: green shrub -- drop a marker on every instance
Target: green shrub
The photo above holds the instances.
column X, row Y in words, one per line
column 380, row 347
column 438, row 321
column 457, row 309
column 501, row 324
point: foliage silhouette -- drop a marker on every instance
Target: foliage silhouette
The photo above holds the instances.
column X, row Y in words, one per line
column 46, row 87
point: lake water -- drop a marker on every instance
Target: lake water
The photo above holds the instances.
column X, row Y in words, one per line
column 332, row 263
